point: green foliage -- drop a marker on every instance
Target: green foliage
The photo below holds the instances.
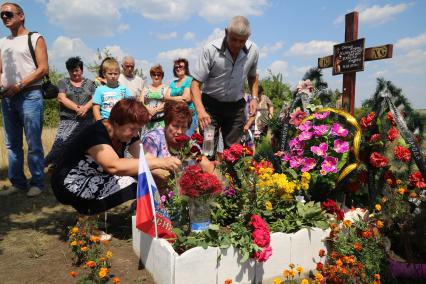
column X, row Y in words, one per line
column 51, row 107
column 100, row 56
column 277, row 91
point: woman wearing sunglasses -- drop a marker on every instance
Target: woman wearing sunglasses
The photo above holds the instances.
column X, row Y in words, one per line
column 180, row 90
column 153, row 98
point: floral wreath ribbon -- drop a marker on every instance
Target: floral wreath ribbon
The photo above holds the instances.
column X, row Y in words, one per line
column 356, row 143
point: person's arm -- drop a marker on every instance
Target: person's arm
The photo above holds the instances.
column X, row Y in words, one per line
column 249, row 122
column 253, row 82
column 69, row 104
column 97, row 112
column 38, row 74
column 167, row 164
column 84, row 109
column 168, row 97
column 203, row 117
column 107, row 158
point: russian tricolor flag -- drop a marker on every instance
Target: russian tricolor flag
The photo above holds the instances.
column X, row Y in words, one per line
column 151, row 218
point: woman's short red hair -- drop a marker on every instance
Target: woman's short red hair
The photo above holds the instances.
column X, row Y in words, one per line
column 177, row 110
column 129, row 111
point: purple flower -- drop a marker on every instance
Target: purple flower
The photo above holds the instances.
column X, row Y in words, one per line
column 305, row 135
column 341, row 146
column 163, row 198
column 297, row 146
column 320, row 130
column 322, row 116
column 338, row 130
column 171, row 193
column 308, row 164
column 228, row 191
column 296, row 161
column 286, row 157
column 320, row 150
column 329, row 165
column 305, row 126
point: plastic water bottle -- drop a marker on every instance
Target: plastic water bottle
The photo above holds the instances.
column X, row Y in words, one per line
column 208, row 143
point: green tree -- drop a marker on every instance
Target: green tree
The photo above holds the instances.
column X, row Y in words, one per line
column 277, row 91
column 51, row 107
column 100, row 56
column 315, row 75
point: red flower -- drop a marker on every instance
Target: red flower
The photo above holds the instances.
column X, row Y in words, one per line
column 257, row 222
column 375, row 137
column 417, row 180
column 390, row 118
column 194, row 182
column 392, row 134
column 297, row 116
column 331, row 207
column 321, row 253
column 320, row 266
column 366, row 234
column 366, row 121
column 263, row 255
column 378, row 161
column 261, row 238
column 402, row 154
column 236, row 151
column 198, row 138
column 195, row 150
column 182, row 139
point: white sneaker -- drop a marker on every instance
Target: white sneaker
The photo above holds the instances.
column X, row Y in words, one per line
column 10, row 190
column 34, row 191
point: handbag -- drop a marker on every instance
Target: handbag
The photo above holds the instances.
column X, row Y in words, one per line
column 49, row 90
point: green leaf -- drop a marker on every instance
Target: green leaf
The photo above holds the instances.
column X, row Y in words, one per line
column 214, row 227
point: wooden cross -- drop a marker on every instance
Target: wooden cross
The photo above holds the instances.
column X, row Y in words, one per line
column 348, row 58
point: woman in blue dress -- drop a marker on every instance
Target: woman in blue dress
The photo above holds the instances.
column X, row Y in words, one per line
column 179, row 90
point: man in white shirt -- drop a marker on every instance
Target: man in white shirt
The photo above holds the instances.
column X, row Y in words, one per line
column 127, row 78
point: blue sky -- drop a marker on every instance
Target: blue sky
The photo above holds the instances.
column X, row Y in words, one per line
column 291, row 35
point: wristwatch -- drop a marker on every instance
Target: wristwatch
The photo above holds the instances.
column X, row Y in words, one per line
column 20, row 86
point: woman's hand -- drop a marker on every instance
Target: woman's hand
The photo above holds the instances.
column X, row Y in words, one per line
column 206, row 165
column 171, row 164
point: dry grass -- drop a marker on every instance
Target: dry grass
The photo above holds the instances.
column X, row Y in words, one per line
column 48, row 136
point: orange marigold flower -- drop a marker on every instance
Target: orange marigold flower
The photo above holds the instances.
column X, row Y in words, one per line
column 73, row 243
column 103, row 272
column 366, row 234
column 333, row 254
column 321, row 253
column 398, row 181
column 333, row 226
column 74, row 230
column 389, row 181
column 109, row 254
column 378, row 207
column 380, row 224
column 292, row 273
column 228, row 281
column 299, row 269
column 304, row 281
column 377, row 282
column 72, row 273
column 347, row 223
column 318, row 276
column 286, row 273
column 291, row 265
column 401, row 190
column 383, row 199
column 81, row 242
column 277, row 281
column 413, row 194
column 84, row 249
column 90, row 264
column 350, row 260
column 102, row 259
column 116, row 280
column 339, row 262
column 105, row 242
column 94, row 239
column 357, row 246
column 344, row 271
column 376, row 276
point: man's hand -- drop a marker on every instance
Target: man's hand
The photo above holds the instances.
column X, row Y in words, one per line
column 204, row 119
column 11, row 91
column 253, row 107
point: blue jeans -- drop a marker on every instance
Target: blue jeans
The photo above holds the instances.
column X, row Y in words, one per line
column 24, row 112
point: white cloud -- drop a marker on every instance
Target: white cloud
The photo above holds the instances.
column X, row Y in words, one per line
column 411, row 42
column 376, row 14
column 219, row 10
column 265, row 50
column 171, row 10
column 188, row 36
column 167, row 36
column 94, row 17
column 313, row 47
column 279, row 66
column 413, row 62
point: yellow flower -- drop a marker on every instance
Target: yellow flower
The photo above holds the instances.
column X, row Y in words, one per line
column 268, row 206
column 389, row 181
column 277, row 281
column 339, row 262
column 305, row 186
column 292, row 273
column 398, row 181
column 379, row 224
column 286, row 273
column 103, row 272
column 109, row 254
column 73, row 243
column 318, row 276
column 74, row 230
column 299, row 269
column 306, row 176
column 347, row 223
column 401, row 190
column 378, row 207
column 304, row 281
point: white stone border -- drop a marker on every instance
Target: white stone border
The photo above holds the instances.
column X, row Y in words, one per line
column 214, row 266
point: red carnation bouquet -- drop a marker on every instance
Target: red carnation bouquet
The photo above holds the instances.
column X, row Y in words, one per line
column 189, row 147
column 195, row 183
column 235, row 152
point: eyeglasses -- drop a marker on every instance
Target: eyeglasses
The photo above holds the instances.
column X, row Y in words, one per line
column 7, row 14
column 157, row 75
column 179, row 67
column 129, row 66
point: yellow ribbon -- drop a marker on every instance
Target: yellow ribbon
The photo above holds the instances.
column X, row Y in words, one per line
column 356, row 143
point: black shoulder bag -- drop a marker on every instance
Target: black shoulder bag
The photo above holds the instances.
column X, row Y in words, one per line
column 50, row 91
